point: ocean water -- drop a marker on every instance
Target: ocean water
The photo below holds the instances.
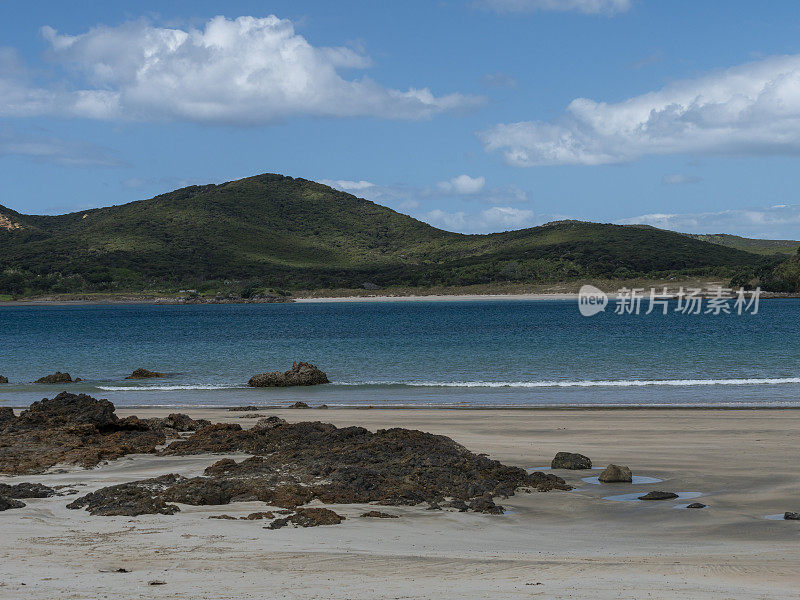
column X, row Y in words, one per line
column 477, row 353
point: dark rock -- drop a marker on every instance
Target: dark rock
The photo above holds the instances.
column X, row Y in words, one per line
column 696, row 505
column 245, row 408
column 616, row 474
column 300, row 374
column 308, row 517
column 26, row 490
column 459, row 505
column 791, row 516
column 251, row 416
column 145, row 374
column 6, row 416
column 376, row 514
column 569, row 460
column 182, row 422
column 3, row 379
column 156, row 582
column 299, row 405
column 485, row 504
column 323, row 406
column 223, row 517
column 9, row 503
column 433, row 506
column 57, row 377
column 656, row 495
column 268, row 423
column 256, row 516
column 68, row 409
column 297, row 463
column 130, row 499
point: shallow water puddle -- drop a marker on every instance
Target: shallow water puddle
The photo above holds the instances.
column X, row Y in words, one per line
column 634, row 497
column 636, row 479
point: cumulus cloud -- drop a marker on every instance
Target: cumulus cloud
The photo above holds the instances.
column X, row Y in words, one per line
column 462, row 184
column 246, row 71
column 589, row 7
column 781, row 221
column 56, row 151
column 751, row 109
column 496, row 218
column 680, row 179
column 418, row 202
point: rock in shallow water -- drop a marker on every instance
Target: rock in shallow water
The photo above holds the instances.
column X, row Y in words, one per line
column 145, row 374
column 791, row 516
column 57, row 377
column 571, row 460
column 3, row 379
column 657, row 495
column 302, row 373
column 616, row 474
column 696, row 505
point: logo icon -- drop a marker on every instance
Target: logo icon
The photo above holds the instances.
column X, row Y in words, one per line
column 591, row 300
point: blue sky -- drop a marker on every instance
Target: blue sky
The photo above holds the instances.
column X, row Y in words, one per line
column 473, row 115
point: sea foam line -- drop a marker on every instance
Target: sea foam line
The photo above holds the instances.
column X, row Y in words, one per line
column 165, row 388
column 591, row 383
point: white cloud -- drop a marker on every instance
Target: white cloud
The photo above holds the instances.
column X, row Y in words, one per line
column 462, row 184
column 589, row 7
column 496, row 218
column 680, row 179
column 778, row 222
column 751, row 109
column 247, row 71
column 54, row 150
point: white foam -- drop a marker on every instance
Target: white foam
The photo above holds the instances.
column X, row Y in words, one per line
column 596, row 383
column 165, row 388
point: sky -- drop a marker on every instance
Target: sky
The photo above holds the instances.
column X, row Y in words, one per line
column 472, row 115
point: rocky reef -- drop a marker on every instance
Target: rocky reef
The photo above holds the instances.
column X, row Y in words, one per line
column 302, row 373
column 76, row 429
column 297, row 463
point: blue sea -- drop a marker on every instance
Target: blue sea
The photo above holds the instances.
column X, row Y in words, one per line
column 442, row 354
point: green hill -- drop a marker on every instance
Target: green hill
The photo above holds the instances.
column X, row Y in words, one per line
column 756, row 246
column 281, row 232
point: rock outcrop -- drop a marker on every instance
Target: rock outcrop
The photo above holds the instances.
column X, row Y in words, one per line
column 570, row 460
column 297, row 463
column 26, row 490
column 57, row 377
column 130, row 499
column 7, row 503
column 71, row 429
column 145, row 374
column 696, row 505
column 616, row 474
column 302, row 373
column 308, row 517
column 656, row 495
column 791, row 516
column 3, row 379
column 6, row 415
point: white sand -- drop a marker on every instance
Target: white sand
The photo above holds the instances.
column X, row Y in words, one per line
column 575, row 544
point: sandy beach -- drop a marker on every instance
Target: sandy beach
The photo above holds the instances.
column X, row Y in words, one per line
column 548, row 545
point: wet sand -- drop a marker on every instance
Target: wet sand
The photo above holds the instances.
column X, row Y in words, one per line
column 549, row 545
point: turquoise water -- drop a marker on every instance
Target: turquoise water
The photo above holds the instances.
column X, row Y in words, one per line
column 484, row 353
